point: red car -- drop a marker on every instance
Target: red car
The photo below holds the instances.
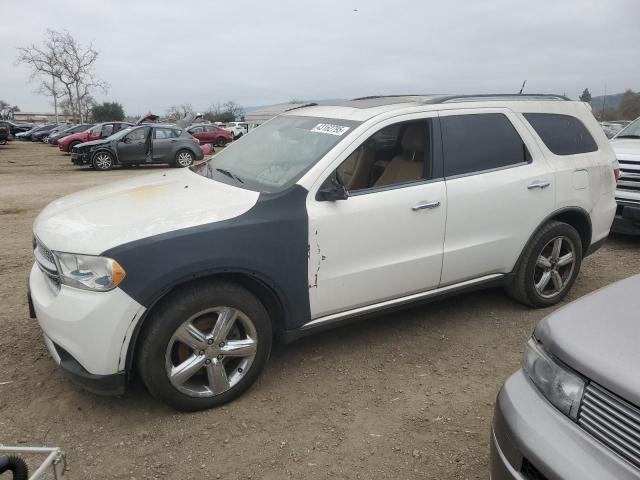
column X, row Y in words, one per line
column 211, row 134
column 101, row 130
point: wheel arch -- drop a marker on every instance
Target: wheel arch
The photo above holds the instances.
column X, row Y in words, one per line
column 577, row 217
column 260, row 286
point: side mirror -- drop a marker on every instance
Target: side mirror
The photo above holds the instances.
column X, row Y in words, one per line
column 332, row 189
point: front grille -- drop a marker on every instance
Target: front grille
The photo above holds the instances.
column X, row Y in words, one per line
column 611, row 420
column 629, row 175
column 47, row 264
column 530, row 472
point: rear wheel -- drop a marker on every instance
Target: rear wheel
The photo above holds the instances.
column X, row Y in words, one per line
column 221, row 142
column 102, row 161
column 204, row 346
column 549, row 266
column 184, row 158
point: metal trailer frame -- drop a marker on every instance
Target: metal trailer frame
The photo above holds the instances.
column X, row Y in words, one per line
column 56, row 460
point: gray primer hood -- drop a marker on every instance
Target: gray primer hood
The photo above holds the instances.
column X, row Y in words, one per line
column 599, row 336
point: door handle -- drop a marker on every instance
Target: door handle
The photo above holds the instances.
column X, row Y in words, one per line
column 425, row 205
column 539, row 185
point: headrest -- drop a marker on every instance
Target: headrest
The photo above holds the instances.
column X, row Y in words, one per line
column 414, row 137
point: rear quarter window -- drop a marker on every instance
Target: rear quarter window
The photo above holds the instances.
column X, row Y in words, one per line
column 562, row 134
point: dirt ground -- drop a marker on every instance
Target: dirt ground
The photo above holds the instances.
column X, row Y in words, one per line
column 407, row 395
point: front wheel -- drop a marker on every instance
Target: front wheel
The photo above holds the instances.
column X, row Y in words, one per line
column 221, row 142
column 549, row 266
column 184, row 158
column 204, row 346
column 102, row 161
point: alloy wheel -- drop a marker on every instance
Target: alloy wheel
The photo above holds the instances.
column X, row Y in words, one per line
column 554, row 267
column 211, row 352
column 185, row 159
column 103, row 161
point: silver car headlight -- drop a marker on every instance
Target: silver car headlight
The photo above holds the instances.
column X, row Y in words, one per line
column 559, row 385
column 89, row 272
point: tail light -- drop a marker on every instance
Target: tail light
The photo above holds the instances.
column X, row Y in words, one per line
column 616, row 170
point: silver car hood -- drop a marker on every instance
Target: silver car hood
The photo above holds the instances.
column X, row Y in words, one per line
column 599, row 336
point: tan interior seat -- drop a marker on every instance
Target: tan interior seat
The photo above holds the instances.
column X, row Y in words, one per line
column 408, row 165
column 357, row 167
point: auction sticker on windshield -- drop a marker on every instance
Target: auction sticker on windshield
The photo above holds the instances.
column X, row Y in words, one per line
column 330, row 129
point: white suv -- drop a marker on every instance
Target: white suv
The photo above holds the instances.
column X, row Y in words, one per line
column 322, row 215
column 238, row 129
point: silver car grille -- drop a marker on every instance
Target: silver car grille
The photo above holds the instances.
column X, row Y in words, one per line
column 47, row 264
column 629, row 180
column 611, row 420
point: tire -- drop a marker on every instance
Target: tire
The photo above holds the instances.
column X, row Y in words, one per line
column 184, row 158
column 102, row 161
column 221, row 142
column 543, row 266
column 236, row 137
column 73, row 144
column 202, row 306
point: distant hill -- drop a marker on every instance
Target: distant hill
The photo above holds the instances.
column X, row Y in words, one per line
column 612, row 102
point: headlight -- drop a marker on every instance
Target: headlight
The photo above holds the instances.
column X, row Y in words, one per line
column 560, row 386
column 89, row 272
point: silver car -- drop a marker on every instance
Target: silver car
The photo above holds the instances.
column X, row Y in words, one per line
column 573, row 410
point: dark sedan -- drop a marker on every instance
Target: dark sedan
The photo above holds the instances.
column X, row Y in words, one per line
column 145, row 144
column 15, row 128
column 28, row 135
column 43, row 134
column 54, row 137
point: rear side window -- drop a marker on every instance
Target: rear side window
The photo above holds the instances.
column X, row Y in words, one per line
column 162, row 133
column 479, row 142
column 562, row 134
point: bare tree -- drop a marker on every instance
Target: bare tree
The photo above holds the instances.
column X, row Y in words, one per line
column 69, row 65
column 77, row 62
column 42, row 60
column 176, row 112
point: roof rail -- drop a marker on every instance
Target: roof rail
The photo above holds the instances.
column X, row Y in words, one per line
column 499, row 96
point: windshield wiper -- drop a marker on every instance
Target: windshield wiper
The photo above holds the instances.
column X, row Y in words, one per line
column 628, row 136
column 229, row 174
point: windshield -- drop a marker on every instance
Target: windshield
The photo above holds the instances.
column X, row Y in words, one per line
column 630, row 131
column 277, row 153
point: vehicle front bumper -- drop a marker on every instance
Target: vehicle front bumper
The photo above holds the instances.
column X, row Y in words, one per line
column 87, row 333
column 527, row 426
column 79, row 158
column 627, row 220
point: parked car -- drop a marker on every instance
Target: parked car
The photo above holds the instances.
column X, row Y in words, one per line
column 212, row 134
column 626, row 145
column 611, row 129
column 573, row 410
column 139, row 145
column 237, row 129
column 28, row 135
column 98, row 131
column 16, row 128
column 5, row 133
column 53, row 139
column 42, row 135
column 310, row 222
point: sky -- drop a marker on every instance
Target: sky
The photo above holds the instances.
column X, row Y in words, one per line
column 158, row 53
